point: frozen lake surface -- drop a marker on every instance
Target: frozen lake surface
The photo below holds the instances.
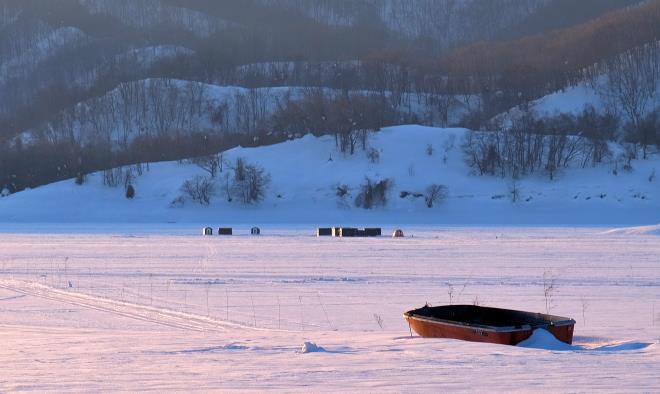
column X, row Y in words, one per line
column 103, row 309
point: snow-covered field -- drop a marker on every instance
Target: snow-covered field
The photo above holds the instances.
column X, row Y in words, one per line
column 134, row 308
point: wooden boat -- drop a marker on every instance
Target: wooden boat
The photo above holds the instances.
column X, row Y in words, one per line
column 484, row 324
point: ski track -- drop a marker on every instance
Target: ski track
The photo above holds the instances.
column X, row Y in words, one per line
column 161, row 316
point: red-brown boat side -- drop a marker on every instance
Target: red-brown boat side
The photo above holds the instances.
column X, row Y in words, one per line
column 485, row 324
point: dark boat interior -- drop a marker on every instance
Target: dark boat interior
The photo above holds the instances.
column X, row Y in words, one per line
column 484, row 316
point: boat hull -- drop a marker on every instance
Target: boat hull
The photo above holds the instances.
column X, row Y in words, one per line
column 430, row 327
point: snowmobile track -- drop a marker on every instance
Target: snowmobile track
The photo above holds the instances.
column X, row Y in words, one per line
column 162, row 316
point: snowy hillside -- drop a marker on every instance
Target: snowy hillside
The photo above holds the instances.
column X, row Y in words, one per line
column 573, row 100
column 449, row 21
column 159, row 106
column 151, row 107
column 62, row 38
column 306, row 173
column 154, row 13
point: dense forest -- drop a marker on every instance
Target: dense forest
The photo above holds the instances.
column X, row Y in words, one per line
column 87, row 85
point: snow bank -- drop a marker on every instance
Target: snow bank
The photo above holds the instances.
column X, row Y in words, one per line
column 640, row 230
column 311, row 347
column 543, row 339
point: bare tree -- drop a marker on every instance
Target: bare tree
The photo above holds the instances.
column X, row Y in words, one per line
column 257, row 181
column 200, row 189
column 373, row 193
column 209, row 163
column 249, row 183
column 631, row 85
column 435, row 193
column 514, row 191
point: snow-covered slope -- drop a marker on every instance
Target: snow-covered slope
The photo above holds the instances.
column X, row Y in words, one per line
column 304, row 189
column 153, row 13
column 446, row 22
column 158, row 106
column 573, row 99
column 56, row 40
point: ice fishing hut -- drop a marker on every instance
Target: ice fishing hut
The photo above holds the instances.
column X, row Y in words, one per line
column 345, row 232
column 225, row 231
column 207, row 231
column 324, row 232
column 255, row 231
column 373, row 232
column 398, row 233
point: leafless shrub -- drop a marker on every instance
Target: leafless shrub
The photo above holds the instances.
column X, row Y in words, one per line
column 373, row 193
column 411, row 170
column 379, row 320
column 435, row 193
column 514, row 191
column 449, row 143
column 549, row 288
column 80, row 178
column 209, row 163
column 113, row 177
column 373, row 155
column 532, row 144
column 130, row 191
column 178, row 202
column 226, row 186
column 129, row 177
column 250, row 182
column 200, row 189
column 342, row 190
column 447, row 146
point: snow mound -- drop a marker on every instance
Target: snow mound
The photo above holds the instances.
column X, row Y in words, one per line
column 643, row 230
column 543, row 339
column 625, row 346
column 311, row 347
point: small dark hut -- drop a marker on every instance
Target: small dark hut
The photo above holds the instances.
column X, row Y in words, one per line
column 207, row 231
column 225, row 231
column 373, row 232
column 348, row 232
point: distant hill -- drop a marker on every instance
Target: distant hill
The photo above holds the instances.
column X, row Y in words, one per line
column 73, row 73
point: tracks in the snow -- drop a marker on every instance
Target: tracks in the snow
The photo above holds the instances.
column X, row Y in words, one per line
column 161, row 316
